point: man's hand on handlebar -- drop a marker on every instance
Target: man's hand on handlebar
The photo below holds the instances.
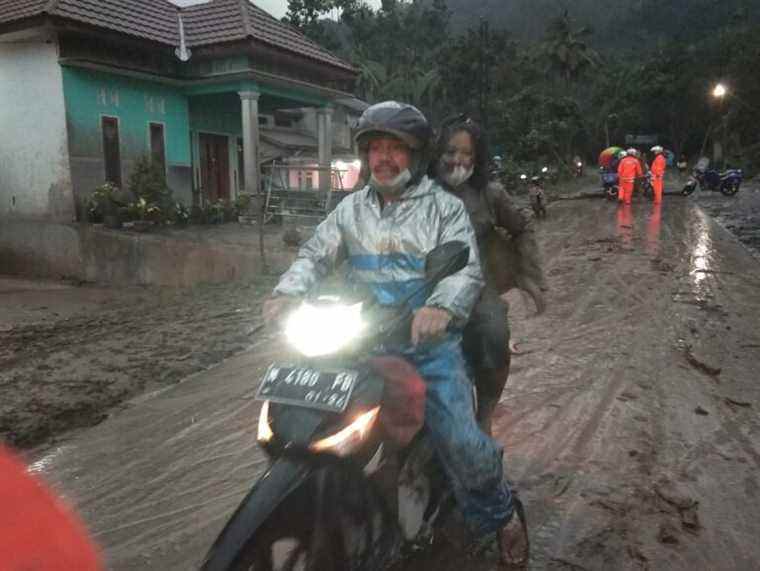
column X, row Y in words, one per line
column 429, row 323
column 275, row 307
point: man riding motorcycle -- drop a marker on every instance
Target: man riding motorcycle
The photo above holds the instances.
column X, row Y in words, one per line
column 383, row 232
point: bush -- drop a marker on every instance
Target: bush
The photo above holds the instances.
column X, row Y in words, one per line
column 148, row 182
column 102, row 202
column 242, row 204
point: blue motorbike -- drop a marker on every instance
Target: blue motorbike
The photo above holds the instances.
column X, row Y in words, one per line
column 727, row 182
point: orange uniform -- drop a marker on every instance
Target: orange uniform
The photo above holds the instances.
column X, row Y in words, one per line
column 629, row 169
column 658, row 175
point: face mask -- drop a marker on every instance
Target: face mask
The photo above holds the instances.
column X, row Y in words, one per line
column 458, row 175
column 394, row 186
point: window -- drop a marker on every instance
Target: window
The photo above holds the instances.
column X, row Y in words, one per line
column 157, row 145
column 111, row 155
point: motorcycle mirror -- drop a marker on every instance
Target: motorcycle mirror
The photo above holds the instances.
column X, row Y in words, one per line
column 446, row 259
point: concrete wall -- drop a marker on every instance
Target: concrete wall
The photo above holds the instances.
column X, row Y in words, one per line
column 92, row 253
column 35, row 180
column 90, row 95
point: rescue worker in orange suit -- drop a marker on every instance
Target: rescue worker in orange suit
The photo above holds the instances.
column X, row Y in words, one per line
column 629, row 169
column 658, row 172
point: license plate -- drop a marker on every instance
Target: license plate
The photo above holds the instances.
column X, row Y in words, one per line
column 324, row 390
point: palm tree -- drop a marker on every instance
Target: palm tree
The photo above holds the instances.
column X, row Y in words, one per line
column 566, row 50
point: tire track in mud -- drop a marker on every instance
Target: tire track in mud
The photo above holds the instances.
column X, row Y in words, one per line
column 582, row 419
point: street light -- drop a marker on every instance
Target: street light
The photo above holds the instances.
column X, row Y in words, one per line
column 719, row 91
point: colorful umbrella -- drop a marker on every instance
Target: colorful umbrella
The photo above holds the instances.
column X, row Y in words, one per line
column 606, row 156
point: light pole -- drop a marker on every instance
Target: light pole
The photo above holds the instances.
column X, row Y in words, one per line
column 719, row 92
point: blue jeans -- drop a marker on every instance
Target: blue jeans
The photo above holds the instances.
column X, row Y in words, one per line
column 471, row 459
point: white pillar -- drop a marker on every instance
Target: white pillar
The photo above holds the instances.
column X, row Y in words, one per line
column 250, row 107
column 325, row 140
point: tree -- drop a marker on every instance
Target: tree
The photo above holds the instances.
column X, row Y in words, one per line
column 565, row 48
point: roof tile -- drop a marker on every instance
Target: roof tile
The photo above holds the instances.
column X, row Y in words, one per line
column 216, row 21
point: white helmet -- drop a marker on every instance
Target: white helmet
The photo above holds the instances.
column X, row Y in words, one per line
column 657, row 149
column 632, row 151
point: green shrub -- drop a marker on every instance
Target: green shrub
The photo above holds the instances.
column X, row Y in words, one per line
column 148, row 182
column 102, row 202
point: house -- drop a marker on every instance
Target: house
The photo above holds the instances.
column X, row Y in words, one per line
column 211, row 91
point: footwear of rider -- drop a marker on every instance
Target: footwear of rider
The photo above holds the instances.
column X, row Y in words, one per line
column 514, row 546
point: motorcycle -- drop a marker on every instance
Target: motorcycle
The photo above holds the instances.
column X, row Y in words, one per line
column 646, row 186
column 727, row 182
column 325, row 503
column 536, row 192
column 609, row 183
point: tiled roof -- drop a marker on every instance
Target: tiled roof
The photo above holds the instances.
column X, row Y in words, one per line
column 214, row 22
column 17, row 9
column 230, row 20
column 149, row 19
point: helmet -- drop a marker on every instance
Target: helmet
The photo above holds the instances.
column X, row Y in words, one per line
column 657, row 149
column 622, row 154
column 632, row 151
column 400, row 120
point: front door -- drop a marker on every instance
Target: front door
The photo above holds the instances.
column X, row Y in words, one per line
column 215, row 166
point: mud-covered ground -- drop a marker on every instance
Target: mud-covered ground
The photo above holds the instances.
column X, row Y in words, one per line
column 630, row 422
column 739, row 214
column 71, row 353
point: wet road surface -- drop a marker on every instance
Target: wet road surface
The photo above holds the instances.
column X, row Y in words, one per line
column 630, row 423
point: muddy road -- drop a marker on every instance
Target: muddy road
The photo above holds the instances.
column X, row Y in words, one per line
column 71, row 354
column 630, row 422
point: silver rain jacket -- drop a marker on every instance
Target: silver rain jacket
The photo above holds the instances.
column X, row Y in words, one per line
column 386, row 249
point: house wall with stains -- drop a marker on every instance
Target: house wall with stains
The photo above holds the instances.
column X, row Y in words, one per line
column 135, row 103
column 35, row 180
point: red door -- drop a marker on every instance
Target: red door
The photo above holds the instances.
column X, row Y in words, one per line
column 215, row 166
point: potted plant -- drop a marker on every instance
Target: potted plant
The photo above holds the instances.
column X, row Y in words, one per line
column 146, row 214
column 216, row 211
column 103, row 206
column 181, row 214
column 242, row 208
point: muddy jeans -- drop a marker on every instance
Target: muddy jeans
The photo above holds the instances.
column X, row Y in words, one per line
column 471, row 459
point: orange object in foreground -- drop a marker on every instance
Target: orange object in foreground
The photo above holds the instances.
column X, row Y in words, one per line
column 37, row 531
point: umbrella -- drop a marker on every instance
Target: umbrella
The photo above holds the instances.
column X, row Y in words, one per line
column 606, row 156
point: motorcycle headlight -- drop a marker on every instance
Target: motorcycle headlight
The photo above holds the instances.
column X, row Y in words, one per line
column 318, row 330
column 348, row 439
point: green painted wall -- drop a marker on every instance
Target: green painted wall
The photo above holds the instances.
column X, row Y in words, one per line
column 216, row 114
column 91, row 94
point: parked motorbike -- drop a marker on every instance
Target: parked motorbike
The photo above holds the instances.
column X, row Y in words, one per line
column 536, row 192
column 727, row 182
column 321, row 506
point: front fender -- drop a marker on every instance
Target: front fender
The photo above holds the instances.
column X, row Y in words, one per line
column 284, row 477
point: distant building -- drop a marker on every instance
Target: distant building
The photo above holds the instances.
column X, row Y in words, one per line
column 210, row 91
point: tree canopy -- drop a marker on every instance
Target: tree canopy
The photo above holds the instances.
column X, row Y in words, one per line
column 574, row 80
